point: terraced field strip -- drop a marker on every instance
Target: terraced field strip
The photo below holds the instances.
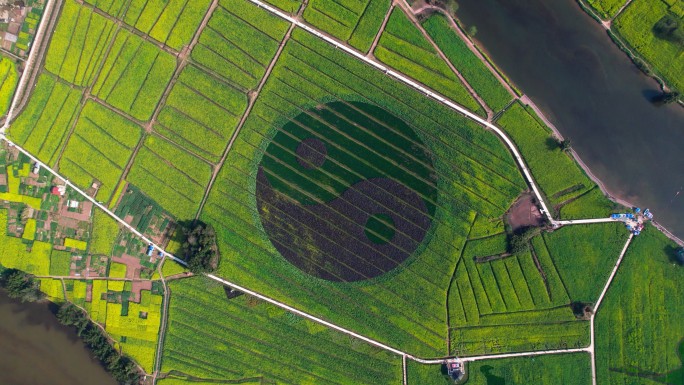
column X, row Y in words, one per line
column 429, row 93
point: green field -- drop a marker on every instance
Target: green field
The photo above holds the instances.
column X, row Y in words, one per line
column 104, row 233
column 60, row 263
column 585, row 255
column 99, row 148
column 44, row 124
column 15, row 253
column 9, row 78
column 606, row 8
column 636, row 26
column 239, row 43
column 212, row 337
column 290, row 6
column 566, row 369
column 556, row 173
column 408, row 305
column 592, row 204
column 134, row 86
column 201, row 113
column 467, row 63
column 352, row 21
column 172, row 177
column 404, row 48
column 639, row 331
column 172, row 22
column 78, row 44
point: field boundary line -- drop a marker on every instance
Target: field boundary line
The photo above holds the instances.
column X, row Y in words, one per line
column 423, row 89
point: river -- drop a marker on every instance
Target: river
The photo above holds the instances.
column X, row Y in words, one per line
column 37, row 350
column 568, row 65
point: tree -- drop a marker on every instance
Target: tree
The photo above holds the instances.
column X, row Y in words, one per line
column 565, row 145
column 669, row 97
column 20, row 285
column 200, row 249
column 472, row 31
column 70, row 315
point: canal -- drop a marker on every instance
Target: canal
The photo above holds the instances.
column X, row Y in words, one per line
column 568, row 65
column 37, row 350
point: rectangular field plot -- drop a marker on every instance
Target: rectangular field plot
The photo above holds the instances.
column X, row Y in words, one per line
column 134, row 75
column 558, row 176
column 78, row 44
column 318, row 91
column 99, row 148
column 172, row 177
column 404, row 48
column 467, row 63
column 239, row 42
column 8, row 83
column 566, row 369
column 639, row 325
column 44, row 124
column 252, row 339
column 172, row 22
column 354, row 21
column 201, row 113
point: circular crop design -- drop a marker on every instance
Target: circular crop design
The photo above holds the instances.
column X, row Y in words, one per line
column 346, row 191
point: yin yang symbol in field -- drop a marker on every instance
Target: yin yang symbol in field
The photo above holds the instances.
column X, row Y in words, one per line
column 346, row 191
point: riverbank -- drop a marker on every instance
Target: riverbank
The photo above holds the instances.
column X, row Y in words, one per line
column 642, row 63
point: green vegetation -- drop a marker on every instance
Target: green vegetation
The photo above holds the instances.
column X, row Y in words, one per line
column 251, row 339
column 43, row 126
column 404, row 308
column 134, row 86
column 99, row 148
column 33, row 258
column 556, row 174
column 592, row 204
column 117, row 270
column 606, row 8
column 78, row 44
column 403, row 47
column 291, row 6
column 172, row 177
column 171, row 268
column 199, row 249
column 638, row 327
column 121, row 367
column 29, row 230
column 356, row 22
column 53, row 289
column 201, row 113
column 172, row 22
column 20, row 285
column 467, row 63
column 104, row 234
column 655, row 30
column 9, row 78
column 60, row 263
column 567, row 369
column 240, row 42
column 584, row 256
column 75, row 244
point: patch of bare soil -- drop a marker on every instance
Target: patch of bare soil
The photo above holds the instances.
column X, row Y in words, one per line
column 524, row 213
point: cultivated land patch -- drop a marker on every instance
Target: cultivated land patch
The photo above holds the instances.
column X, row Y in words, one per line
column 78, row 44
column 327, row 176
column 172, row 177
column 134, row 75
column 43, row 126
column 172, row 22
column 607, row 8
column 405, row 307
column 99, row 148
column 251, row 339
column 403, row 47
column 201, row 113
column 290, row 6
column 8, row 83
column 353, row 21
column 239, row 43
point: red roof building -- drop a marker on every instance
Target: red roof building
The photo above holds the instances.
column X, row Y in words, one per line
column 54, row 190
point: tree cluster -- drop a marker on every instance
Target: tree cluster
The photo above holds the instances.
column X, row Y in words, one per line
column 670, row 28
column 520, row 241
column 20, row 285
column 200, row 249
column 120, row 367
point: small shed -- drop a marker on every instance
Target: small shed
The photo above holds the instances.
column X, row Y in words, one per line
column 455, row 369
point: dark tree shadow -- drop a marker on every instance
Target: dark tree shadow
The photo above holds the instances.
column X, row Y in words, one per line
column 492, row 379
column 552, row 143
column 673, row 255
